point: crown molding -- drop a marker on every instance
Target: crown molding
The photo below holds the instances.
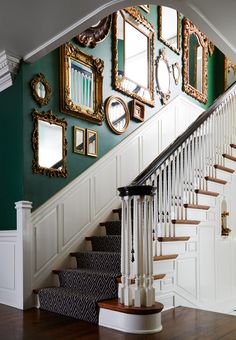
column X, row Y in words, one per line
column 9, row 65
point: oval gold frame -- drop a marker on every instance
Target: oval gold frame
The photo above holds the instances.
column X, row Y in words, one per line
column 95, row 34
column 37, row 79
column 108, row 101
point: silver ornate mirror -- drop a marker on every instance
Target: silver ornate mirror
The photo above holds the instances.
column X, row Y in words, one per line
column 169, row 27
column 49, row 144
column 163, row 76
column 117, row 114
column 133, row 63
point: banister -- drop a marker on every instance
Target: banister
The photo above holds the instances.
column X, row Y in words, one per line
column 165, row 154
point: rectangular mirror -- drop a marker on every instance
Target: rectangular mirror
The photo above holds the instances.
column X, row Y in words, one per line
column 49, row 144
column 169, row 27
column 92, row 142
column 133, row 64
column 79, row 140
column 81, row 84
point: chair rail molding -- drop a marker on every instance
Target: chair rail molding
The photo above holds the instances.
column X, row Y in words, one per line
column 9, row 65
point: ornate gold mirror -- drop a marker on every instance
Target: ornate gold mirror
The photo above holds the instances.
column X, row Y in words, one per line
column 81, row 84
column 163, row 76
column 133, row 62
column 95, row 34
column 176, row 72
column 195, row 59
column 169, row 27
column 49, row 144
column 117, row 114
column 41, row 90
column 229, row 73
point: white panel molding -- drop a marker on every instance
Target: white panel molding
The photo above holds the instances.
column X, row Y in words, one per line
column 9, row 65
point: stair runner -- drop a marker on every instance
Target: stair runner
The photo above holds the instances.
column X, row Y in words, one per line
column 95, row 278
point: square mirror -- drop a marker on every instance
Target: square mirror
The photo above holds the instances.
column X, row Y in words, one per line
column 92, row 142
column 79, row 140
column 133, row 64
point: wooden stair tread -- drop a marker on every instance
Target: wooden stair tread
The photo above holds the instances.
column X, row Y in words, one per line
column 215, row 180
column 165, row 257
column 233, row 146
column 196, row 206
column 185, row 221
column 173, row 239
column 155, row 277
column 115, row 305
column 223, row 168
column 206, row 192
column 232, row 158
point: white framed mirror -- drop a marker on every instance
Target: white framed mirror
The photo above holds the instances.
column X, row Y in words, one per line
column 163, row 71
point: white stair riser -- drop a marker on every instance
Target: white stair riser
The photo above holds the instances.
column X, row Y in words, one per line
column 233, row 152
column 168, row 248
column 163, row 267
column 230, row 164
column 216, row 187
column 168, row 300
column 165, row 285
column 195, row 214
column 206, row 200
column 223, row 175
column 185, row 230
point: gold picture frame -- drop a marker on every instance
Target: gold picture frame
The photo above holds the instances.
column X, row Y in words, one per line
column 81, row 84
column 91, row 143
column 49, row 144
column 137, row 110
column 229, row 73
column 117, row 114
column 79, row 140
column 41, row 90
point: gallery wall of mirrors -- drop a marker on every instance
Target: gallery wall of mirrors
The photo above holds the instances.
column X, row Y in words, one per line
column 114, row 75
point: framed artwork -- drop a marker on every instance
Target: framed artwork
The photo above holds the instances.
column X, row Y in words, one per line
column 81, row 84
column 79, row 140
column 137, row 110
column 41, row 90
column 92, row 142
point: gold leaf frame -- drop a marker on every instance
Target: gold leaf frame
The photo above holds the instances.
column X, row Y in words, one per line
column 140, row 19
column 189, row 28
column 160, row 37
column 76, row 150
column 95, row 34
column 40, row 78
column 51, row 119
column 127, row 114
column 227, row 66
column 96, row 115
column 88, row 153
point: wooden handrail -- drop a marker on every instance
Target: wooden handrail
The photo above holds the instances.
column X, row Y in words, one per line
column 165, row 154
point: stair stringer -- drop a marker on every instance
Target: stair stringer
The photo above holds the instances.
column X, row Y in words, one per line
column 60, row 224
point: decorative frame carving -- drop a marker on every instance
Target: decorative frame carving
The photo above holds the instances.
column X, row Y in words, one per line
column 126, row 110
column 160, row 37
column 71, row 53
column 80, row 149
column 189, row 28
column 227, row 66
column 51, row 119
column 89, row 152
column 165, row 96
column 175, row 69
column 40, row 78
column 95, row 34
column 140, row 19
column 137, row 110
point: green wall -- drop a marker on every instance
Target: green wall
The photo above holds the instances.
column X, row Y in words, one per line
column 19, row 182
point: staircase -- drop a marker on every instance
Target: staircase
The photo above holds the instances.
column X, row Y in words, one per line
column 187, row 178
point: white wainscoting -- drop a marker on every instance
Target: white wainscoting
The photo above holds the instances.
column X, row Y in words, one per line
column 60, row 225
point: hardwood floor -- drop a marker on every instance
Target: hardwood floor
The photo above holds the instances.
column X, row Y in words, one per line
column 178, row 324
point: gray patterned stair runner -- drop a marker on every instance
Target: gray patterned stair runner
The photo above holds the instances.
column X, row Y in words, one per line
column 94, row 279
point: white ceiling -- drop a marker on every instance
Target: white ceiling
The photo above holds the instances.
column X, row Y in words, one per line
column 30, row 29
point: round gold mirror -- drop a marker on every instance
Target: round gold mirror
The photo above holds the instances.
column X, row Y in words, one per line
column 117, row 114
column 41, row 90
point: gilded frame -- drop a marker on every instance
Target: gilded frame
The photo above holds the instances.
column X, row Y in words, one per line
column 71, row 53
column 189, row 28
column 137, row 110
column 40, row 78
column 51, row 119
column 88, row 151
column 140, row 19
column 227, row 66
column 77, row 149
column 160, row 37
column 95, row 34
column 127, row 114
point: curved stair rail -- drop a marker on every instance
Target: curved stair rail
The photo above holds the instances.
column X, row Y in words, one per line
column 177, row 176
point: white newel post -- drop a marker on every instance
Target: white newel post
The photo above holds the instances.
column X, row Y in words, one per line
column 136, row 287
column 24, row 246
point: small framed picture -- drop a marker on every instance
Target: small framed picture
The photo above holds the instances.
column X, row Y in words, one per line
column 146, row 8
column 79, row 140
column 92, row 142
column 137, row 110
